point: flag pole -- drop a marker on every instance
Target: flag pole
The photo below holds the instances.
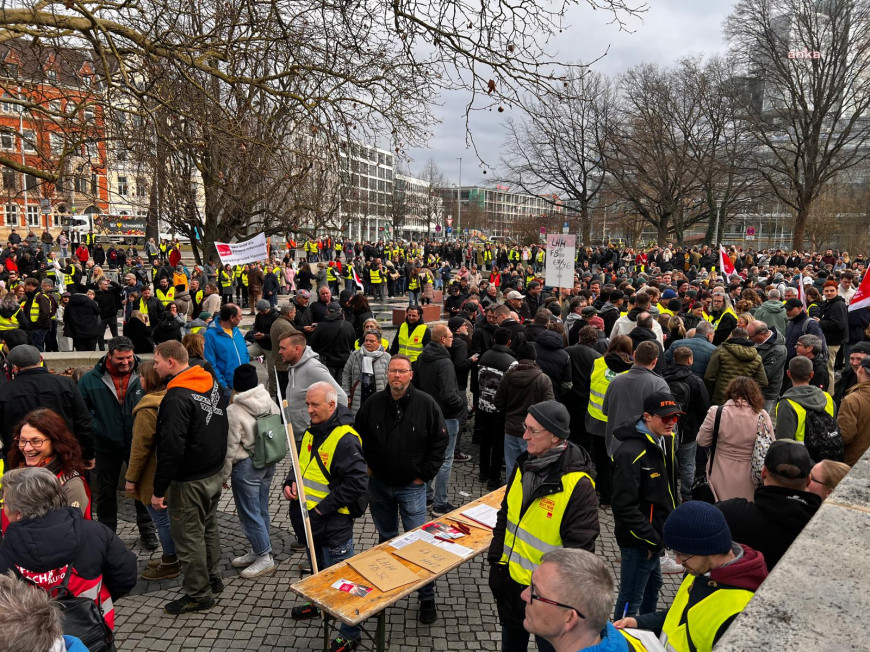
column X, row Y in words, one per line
column 300, row 488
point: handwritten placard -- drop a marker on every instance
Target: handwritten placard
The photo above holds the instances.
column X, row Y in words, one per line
column 429, row 556
column 559, row 264
column 383, row 570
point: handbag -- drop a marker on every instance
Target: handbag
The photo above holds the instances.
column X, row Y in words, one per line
column 763, row 440
column 701, row 489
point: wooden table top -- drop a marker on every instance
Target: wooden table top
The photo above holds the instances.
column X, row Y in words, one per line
column 352, row 609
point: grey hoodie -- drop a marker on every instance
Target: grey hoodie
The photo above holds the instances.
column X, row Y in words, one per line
column 301, row 376
column 808, row 397
column 773, row 314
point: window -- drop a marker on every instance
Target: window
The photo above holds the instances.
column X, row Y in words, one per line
column 81, row 184
column 29, row 140
column 51, row 75
column 55, row 219
column 9, row 176
column 56, row 143
column 94, row 186
column 33, row 216
column 12, row 69
column 92, row 151
column 7, row 106
column 59, row 185
column 7, row 140
column 121, row 153
column 122, row 186
column 141, row 187
column 30, row 182
column 11, row 214
column 55, row 106
column 89, row 114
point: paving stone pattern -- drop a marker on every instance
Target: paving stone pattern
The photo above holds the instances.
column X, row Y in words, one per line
column 255, row 614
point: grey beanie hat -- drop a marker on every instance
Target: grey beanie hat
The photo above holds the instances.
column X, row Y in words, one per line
column 553, row 416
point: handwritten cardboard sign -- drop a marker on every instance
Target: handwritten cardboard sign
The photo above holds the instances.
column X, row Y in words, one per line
column 559, row 263
column 428, row 556
column 383, row 570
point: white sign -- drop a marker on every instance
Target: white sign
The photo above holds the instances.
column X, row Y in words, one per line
column 560, row 260
column 239, row 253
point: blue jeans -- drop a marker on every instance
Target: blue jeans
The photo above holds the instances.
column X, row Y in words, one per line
column 686, row 457
column 161, row 522
column 37, row 338
column 443, row 477
column 327, row 557
column 513, row 448
column 387, row 503
column 251, row 495
column 413, row 297
column 640, row 579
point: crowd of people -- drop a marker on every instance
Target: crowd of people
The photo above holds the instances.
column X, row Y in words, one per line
column 712, row 415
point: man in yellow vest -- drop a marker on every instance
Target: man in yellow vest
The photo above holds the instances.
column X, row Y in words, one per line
column 412, row 335
column 335, row 477
column 550, row 503
column 723, row 318
column 722, row 576
column 799, row 400
column 378, row 277
column 164, row 292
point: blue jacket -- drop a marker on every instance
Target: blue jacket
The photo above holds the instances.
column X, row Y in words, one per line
column 224, row 352
column 702, row 350
column 73, row 644
column 611, row 641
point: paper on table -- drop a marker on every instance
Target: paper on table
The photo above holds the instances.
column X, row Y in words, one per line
column 383, row 570
column 649, row 639
column 455, row 548
column 482, row 514
column 411, row 537
column 431, row 557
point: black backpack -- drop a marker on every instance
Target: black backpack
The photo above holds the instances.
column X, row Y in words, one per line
column 81, row 617
column 822, row 437
column 682, row 395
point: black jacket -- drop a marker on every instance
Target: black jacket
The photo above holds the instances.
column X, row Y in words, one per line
column 109, row 301
column 81, row 318
column 639, row 334
column 834, row 321
column 33, row 388
column 698, row 403
column 579, row 527
column 140, row 334
column 333, row 340
column 434, row 374
column 262, row 323
column 582, row 359
column 402, row 440
column 461, row 362
column 49, row 543
column 348, row 481
column 166, row 328
column 644, row 486
column 772, row 522
column 491, row 368
column 553, row 360
column 518, row 333
column 192, row 430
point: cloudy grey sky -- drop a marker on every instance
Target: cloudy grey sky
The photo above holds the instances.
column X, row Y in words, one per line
column 669, row 30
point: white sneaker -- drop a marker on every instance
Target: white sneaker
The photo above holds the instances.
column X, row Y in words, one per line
column 670, row 566
column 263, row 566
column 244, row 561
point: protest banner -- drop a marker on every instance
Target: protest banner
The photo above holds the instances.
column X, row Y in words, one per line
column 239, row 253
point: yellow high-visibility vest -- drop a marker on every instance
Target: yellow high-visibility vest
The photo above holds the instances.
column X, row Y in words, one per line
column 165, row 297
column 411, row 345
column 8, row 324
column 801, row 413
column 315, row 482
column 600, row 380
column 531, row 534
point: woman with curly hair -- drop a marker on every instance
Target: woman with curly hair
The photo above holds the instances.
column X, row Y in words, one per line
column 42, row 438
column 743, row 415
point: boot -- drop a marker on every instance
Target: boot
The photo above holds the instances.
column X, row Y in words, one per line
column 168, row 568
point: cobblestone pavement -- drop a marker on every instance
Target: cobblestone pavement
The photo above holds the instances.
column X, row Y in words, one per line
column 255, row 614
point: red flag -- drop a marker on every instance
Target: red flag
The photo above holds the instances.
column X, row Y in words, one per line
column 725, row 263
column 802, row 291
column 862, row 296
column 174, row 257
column 357, row 279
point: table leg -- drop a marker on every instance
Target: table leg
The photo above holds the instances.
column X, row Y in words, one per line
column 326, row 637
column 381, row 632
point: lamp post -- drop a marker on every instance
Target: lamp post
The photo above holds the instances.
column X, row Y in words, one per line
column 459, row 201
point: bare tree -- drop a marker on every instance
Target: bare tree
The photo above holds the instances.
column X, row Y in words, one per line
column 559, row 146
column 811, row 66
column 433, row 203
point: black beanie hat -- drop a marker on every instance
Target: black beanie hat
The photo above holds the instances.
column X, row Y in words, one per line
column 697, row 528
column 245, row 378
column 553, row 416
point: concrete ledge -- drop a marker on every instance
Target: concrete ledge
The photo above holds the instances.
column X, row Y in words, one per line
column 816, row 598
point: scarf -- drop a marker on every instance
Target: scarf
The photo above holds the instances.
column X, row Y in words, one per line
column 120, row 380
column 535, row 468
column 369, row 357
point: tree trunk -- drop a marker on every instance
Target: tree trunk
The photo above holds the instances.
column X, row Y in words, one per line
column 800, row 225
column 585, row 224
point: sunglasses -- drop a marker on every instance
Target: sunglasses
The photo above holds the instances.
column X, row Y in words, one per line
column 671, row 418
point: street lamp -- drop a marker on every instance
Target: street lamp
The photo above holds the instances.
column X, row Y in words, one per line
column 459, row 200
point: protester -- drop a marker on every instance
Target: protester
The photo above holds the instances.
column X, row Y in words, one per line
column 365, row 371
column 825, row 476
column 225, row 346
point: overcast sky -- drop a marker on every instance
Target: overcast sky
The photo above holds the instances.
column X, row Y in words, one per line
column 669, row 30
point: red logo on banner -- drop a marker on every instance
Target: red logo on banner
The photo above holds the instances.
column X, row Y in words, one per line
column 224, row 249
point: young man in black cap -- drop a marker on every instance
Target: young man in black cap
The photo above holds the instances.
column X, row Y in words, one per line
column 644, row 491
column 782, row 506
column 722, row 576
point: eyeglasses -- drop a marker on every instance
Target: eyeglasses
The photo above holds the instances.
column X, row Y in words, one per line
column 671, row 418
column 818, row 481
column 35, row 443
column 534, row 596
column 679, row 555
column 534, row 431
column 398, row 372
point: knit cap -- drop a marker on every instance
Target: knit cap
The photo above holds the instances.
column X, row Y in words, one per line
column 697, row 528
column 553, row 416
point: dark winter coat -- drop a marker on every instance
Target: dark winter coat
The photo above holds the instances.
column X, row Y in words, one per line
column 523, row 385
column 698, row 403
column 773, row 355
column 800, row 325
column 81, row 318
column 736, row 357
column 772, row 522
column 402, row 440
column 491, row 368
column 434, row 374
column 112, row 421
column 834, row 321
column 140, row 334
column 553, row 360
column 579, row 527
column 644, row 486
column 461, row 362
column 333, row 340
